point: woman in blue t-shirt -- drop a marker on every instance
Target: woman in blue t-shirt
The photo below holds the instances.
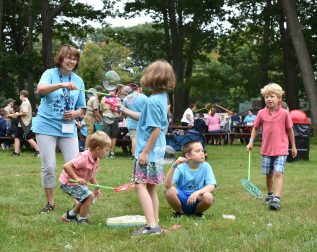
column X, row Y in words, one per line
column 61, row 102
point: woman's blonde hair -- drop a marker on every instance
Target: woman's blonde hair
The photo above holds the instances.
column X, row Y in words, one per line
column 98, row 139
column 159, row 75
column 272, row 88
column 66, row 51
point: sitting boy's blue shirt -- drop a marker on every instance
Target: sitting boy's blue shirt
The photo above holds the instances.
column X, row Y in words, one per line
column 153, row 115
column 190, row 180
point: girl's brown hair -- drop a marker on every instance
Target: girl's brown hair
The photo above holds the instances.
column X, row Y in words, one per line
column 159, row 76
column 67, row 51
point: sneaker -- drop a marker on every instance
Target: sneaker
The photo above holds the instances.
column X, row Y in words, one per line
column 275, row 204
column 177, row 215
column 83, row 221
column 15, row 154
column 37, row 154
column 111, row 155
column 147, row 230
column 268, row 199
column 47, row 208
column 67, row 218
column 199, row 215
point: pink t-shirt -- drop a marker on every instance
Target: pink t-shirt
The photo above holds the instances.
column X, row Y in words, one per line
column 213, row 122
column 84, row 166
column 274, row 131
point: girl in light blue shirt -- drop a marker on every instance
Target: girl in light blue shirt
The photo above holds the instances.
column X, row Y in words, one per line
column 150, row 139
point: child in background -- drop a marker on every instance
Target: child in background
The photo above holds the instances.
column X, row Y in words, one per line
column 190, row 182
column 83, row 169
column 277, row 128
column 150, row 139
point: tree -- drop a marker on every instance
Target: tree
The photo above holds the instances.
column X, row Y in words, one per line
column 303, row 56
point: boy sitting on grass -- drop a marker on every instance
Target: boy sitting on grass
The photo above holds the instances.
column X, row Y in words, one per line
column 84, row 168
column 190, row 182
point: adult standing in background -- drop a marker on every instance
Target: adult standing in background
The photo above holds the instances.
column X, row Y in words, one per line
column 54, row 125
column 137, row 103
column 9, row 108
column 24, row 126
column 93, row 112
column 188, row 116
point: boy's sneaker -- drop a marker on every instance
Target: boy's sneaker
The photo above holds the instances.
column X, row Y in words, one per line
column 111, row 155
column 83, row 221
column 275, row 204
column 47, row 208
column 67, row 218
column 15, row 154
column 199, row 215
column 147, row 230
column 177, row 215
column 37, row 154
column 268, row 199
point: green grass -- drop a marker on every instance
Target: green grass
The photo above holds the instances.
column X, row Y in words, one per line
column 254, row 229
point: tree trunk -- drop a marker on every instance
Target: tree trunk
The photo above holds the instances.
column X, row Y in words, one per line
column 30, row 55
column 303, row 56
column 265, row 58
column 290, row 68
column 1, row 20
column 176, row 30
column 47, row 36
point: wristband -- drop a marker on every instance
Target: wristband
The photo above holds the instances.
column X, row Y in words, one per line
column 174, row 166
column 251, row 140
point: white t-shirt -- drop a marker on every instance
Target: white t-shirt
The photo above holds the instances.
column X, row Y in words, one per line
column 191, row 114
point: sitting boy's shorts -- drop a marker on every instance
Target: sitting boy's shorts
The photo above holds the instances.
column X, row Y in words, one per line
column 271, row 164
column 183, row 197
column 78, row 192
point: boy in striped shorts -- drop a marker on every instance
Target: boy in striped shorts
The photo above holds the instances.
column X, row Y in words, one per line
column 277, row 129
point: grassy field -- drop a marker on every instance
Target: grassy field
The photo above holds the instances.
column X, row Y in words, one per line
column 254, row 229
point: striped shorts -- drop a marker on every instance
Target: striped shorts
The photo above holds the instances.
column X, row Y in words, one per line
column 271, row 164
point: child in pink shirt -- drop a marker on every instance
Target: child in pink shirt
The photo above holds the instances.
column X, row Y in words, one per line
column 83, row 168
column 277, row 128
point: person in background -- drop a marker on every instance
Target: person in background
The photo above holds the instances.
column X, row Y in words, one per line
column 137, row 103
column 213, row 123
column 249, row 118
column 24, row 127
column 188, row 116
column 54, row 125
column 93, row 112
column 200, row 124
column 9, row 108
column 110, row 119
column 82, row 133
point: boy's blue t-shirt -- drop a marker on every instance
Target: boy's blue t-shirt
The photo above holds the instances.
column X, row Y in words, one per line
column 136, row 105
column 153, row 115
column 50, row 113
column 190, row 180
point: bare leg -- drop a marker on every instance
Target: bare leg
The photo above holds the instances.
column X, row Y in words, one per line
column 269, row 182
column 206, row 201
column 33, row 144
column 133, row 147
column 17, row 145
column 173, row 200
column 278, row 183
column 155, row 201
column 113, row 144
column 146, row 203
column 49, row 193
column 84, row 207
